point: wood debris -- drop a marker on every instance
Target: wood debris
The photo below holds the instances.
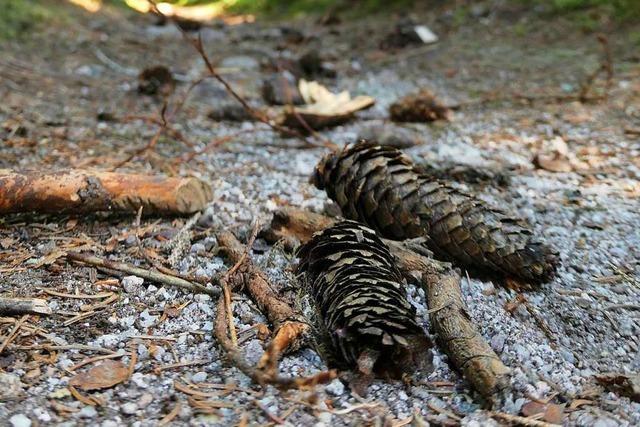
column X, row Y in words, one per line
column 10, row 306
column 627, row 385
column 80, row 191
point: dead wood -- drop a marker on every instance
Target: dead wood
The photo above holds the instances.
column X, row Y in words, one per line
column 455, row 331
column 78, row 191
column 289, row 332
column 154, row 276
column 10, row 306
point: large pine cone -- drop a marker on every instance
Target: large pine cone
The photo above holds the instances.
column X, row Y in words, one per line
column 361, row 301
column 381, row 187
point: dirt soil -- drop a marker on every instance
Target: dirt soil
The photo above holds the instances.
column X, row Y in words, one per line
column 69, row 99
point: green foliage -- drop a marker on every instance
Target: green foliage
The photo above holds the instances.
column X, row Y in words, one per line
column 19, row 17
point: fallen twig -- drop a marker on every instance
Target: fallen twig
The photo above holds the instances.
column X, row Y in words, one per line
column 10, row 306
column 289, row 332
column 13, row 333
column 153, row 276
column 78, row 191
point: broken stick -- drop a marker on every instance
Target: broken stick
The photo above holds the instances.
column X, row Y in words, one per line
column 9, row 306
column 289, row 332
column 455, row 331
column 78, row 191
column 153, row 276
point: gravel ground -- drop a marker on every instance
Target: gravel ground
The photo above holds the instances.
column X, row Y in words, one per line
column 583, row 323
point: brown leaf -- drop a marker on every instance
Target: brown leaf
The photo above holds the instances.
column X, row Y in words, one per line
column 530, row 409
column 627, row 385
column 7, row 242
column 554, row 414
column 105, row 375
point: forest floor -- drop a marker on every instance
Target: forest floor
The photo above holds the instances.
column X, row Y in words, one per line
column 64, row 105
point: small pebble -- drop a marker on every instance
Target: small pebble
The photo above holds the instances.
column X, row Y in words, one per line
column 335, row 388
column 199, row 377
column 20, row 420
column 129, row 408
column 88, row 412
column 132, row 284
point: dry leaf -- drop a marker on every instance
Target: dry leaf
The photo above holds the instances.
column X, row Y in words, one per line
column 530, row 409
column 554, row 414
column 323, row 108
column 105, row 375
column 556, row 157
column 627, row 385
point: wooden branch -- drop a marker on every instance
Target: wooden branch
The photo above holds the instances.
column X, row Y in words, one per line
column 78, row 191
column 258, row 376
column 455, row 331
column 9, row 306
column 289, row 332
column 154, row 276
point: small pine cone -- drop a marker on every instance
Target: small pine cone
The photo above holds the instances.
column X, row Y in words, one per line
column 361, row 300
column 381, row 187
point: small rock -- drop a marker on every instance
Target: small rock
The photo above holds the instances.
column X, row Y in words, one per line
column 198, row 249
column 199, row 377
column 146, row 319
column 132, row 284
column 497, row 343
column 242, row 62
column 88, row 412
column 139, row 379
column 10, row 387
column 129, row 408
column 253, row 351
column 20, row 420
column 281, row 89
column 335, row 388
column 145, row 400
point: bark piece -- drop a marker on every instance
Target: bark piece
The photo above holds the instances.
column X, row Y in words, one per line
column 456, row 333
column 362, row 302
column 382, row 187
column 9, row 306
column 79, row 191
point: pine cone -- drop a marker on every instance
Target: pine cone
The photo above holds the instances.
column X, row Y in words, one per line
column 361, row 301
column 381, row 187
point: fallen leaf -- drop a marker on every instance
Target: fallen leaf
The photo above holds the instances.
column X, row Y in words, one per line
column 627, row 385
column 322, row 107
column 554, row 414
column 105, row 375
column 575, row 404
column 530, row 409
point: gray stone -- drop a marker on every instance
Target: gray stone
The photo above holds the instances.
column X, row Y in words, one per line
column 497, row 342
column 20, row 420
column 10, row 387
column 335, row 388
column 199, row 377
column 88, row 412
column 132, row 284
column 145, row 400
column 242, row 62
column 253, row 351
column 129, row 408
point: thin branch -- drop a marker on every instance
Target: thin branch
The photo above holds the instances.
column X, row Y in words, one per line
column 153, row 276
